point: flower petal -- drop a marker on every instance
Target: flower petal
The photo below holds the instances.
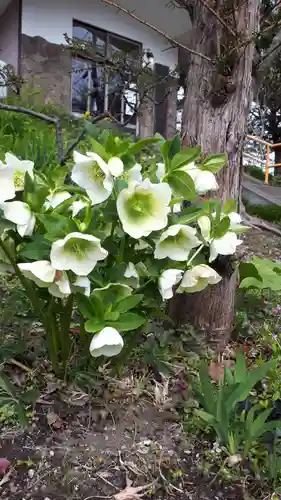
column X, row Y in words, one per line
column 108, row 342
column 226, row 245
column 167, row 280
column 84, row 283
column 41, row 272
column 176, row 242
column 205, row 227
column 61, row 287
column 160, row 171
column 55, row 199
column 134, row 174
column 115, row 166
column 7, row 188
column 198, row 278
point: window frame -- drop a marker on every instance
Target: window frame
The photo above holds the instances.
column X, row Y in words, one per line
column 107, row 34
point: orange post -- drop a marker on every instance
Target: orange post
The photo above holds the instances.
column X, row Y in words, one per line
column 267, row 163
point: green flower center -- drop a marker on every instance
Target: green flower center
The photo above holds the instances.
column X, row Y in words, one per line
column 96, row 173
column 140, row 205
column 179, row 240
column 18, row 179
column 77, row 247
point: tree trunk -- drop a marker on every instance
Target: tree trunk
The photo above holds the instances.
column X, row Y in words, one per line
column 277, row 159
column 215, row 113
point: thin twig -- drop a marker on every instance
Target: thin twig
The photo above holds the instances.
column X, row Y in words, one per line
column 217, row 16
column 162, row 33
column 19, row 364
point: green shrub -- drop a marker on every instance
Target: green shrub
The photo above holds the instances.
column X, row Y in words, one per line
column 270, row 212
column 256, row 172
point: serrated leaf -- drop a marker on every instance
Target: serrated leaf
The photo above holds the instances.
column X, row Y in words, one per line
column 128, row 303
column 182, row 184
column 214, row 163
column 143, row 143
column 57, row 226
column 186, row 156
column 127, row 322
column 38, row 249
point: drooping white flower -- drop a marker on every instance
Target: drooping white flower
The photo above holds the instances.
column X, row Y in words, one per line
column 132, row 276
column 134, row 174
column 41, row 272
column 204, row 224
column 55, row 199
column 77, row 206
column 176, row 242
column 160, row 171
column 84, row 283
column 167, row 281
column 226, row 245
column 7, row 187
column 115, row 166
column 143, row 208
column 107, row 343
column 92, row 173
column 235, row 218
column 198, row 278
column 60, row 287
column 19, row 169
column 20, row 214
column 204, row 180
column 77, row 252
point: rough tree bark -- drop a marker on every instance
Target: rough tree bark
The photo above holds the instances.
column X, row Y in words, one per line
column 215, row 112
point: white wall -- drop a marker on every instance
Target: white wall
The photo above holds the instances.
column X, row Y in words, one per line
column 50, row 19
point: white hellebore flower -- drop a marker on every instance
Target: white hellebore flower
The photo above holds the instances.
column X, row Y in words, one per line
column 77, row 206
column 167, row 280
column 19, row 168
column 7, row 187
column 132, row 275
column 198, row 278
column 108, row 343
column 61, row 287
column 20, row 214
column 143, row 208
column 92, row 173
column 77, row 252
column 55, row 199
column 204, row 180
column 45, row 276
column 176, row 242
column 226, row 245
column 134, row 174
column 83, row 282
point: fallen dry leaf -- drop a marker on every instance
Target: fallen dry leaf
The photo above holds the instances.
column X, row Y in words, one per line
column 54, row 420
column 131, row 493
column 216, row 371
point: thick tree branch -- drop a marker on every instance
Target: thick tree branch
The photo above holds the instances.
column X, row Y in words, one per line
column 218, row 17
column 162, row 33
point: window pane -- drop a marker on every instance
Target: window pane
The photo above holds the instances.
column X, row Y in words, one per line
column 130, row 104
column 97, row 90
column 82, row 33
column 80, row 86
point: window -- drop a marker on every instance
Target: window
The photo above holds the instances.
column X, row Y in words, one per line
column 105, row 81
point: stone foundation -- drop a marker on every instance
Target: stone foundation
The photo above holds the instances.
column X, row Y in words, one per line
column 47, row 67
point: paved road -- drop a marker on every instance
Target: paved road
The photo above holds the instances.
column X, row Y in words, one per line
column 257, row 192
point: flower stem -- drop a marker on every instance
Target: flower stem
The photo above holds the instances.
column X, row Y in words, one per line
column 141, row 288
column 194, row 255
column 122, row 248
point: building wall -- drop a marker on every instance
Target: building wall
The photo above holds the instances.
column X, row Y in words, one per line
column 9, row 34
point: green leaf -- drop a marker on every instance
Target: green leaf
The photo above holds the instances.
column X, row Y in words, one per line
column 229, row 206
column 187, row 215
column 127, row 322
column 38, row 249
column 257, row 427
column 175, row 147
column 182, row 184
column 111, row 294
column 128, row 303
column 57, row 226
column 99, row 149
column 207, row 417
column 112, row 316
column 248, row 270
column 221, row 228
column 214, row 163
column 207, row 390
column 138, row 146
column 186, row 156
column 94, row 325
column 240, row 367
column 28, row 184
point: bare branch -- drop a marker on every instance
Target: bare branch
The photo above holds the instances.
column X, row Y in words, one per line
column 41, row 116
column 217, row 16
column 162, row 33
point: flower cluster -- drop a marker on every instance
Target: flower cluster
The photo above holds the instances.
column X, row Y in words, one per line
column 115, row 231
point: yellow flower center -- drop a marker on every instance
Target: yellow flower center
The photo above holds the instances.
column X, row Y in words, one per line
column 96, row 173
column 18, row 179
